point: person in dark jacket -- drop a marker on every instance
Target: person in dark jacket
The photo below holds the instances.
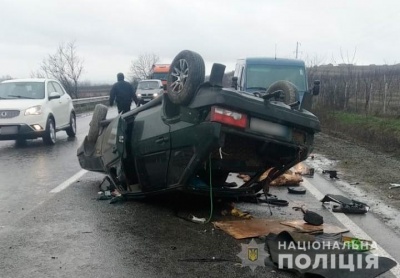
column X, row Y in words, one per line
column 122, row 93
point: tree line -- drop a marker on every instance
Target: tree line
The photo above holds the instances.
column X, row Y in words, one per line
column 369, row 89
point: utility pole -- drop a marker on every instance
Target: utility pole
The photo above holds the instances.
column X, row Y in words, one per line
column 297, row 49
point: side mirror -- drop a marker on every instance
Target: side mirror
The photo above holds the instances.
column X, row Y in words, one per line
column 54, row 95
column 315, row 89
column 234, row 82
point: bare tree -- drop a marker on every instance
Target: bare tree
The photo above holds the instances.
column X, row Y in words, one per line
column 65, row 65
column 5, row 77
column 141, row 67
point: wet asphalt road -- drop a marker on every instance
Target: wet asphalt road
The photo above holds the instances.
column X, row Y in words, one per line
column 72, row 234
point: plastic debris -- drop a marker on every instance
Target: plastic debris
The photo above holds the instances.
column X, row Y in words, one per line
column 196, row 219
column 394, row 185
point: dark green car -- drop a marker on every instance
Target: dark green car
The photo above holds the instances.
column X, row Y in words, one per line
column 195, row 135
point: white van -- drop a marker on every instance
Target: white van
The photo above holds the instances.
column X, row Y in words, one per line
column 148, row 90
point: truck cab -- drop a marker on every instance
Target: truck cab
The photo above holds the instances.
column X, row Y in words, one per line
column 160, row 71
column 256, row 75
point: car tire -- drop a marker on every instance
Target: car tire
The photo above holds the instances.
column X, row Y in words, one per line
column 288, row 88
column 186, row 73
column 71, row 130
column 99, row 114
column 49, row 137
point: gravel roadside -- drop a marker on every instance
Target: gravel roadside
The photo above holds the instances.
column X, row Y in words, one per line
column 366, row 173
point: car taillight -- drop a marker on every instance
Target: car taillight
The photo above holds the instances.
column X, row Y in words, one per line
column 228, row 117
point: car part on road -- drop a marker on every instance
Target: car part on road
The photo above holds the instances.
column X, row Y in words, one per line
column 332, row 266
column 394, row 185
column 310, row 217
column 99, row 114
column 346, row 205
column 297, row 190
column 332, row 173
column 273, row 200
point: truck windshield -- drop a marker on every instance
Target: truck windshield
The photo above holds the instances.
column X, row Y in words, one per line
column 22, row 90
column 262, row 76
column 160, row 75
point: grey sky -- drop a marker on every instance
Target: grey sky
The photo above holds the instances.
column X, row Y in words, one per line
column 110, row 34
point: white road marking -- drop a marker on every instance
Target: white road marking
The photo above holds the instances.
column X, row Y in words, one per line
column 353, row 227
column 68, row 182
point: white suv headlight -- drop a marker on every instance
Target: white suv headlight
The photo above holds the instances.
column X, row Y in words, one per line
column 34, row 110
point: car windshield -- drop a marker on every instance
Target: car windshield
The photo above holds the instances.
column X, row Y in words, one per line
column 22, row 90
column 148, row 85
column 160, row 75
column 262, row 76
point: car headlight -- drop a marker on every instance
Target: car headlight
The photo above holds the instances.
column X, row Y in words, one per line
column 155, row 94
column 34, row 110
column 139, row 95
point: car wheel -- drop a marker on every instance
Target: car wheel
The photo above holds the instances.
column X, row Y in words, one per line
column 99, row 114
column 186, row 73
column 71, row 130
column 288, row 88
column 49, row 137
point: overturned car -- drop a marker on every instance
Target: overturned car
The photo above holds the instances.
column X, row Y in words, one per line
column 197, row 133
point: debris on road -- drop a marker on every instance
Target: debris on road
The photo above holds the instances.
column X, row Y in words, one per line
column 297, row 190
column 304, row 227
column 116, row 197
column 258, row 227
column 102, row 196
column 357, row 243
column 332, row 173
column 332, row 266
column 273, row 200
column 311, row 217
column 346, row 205
column 191, row 218
column 287, row 178
column 394, row 185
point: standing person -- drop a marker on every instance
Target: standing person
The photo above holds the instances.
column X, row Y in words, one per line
column 122, row 93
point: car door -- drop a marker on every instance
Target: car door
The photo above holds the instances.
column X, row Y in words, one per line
column 151, row 147
column 53, row 104
column 63, row 105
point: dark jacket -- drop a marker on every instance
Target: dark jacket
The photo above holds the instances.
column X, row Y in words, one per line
column 122, row 93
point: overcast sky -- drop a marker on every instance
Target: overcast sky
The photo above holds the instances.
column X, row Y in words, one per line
column 109, row 35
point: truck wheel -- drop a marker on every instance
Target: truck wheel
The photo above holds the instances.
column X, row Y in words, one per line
column 99, row 114
column 288, row 88
column 186, row 73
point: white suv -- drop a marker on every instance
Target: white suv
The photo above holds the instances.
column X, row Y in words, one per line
column 32, row 108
